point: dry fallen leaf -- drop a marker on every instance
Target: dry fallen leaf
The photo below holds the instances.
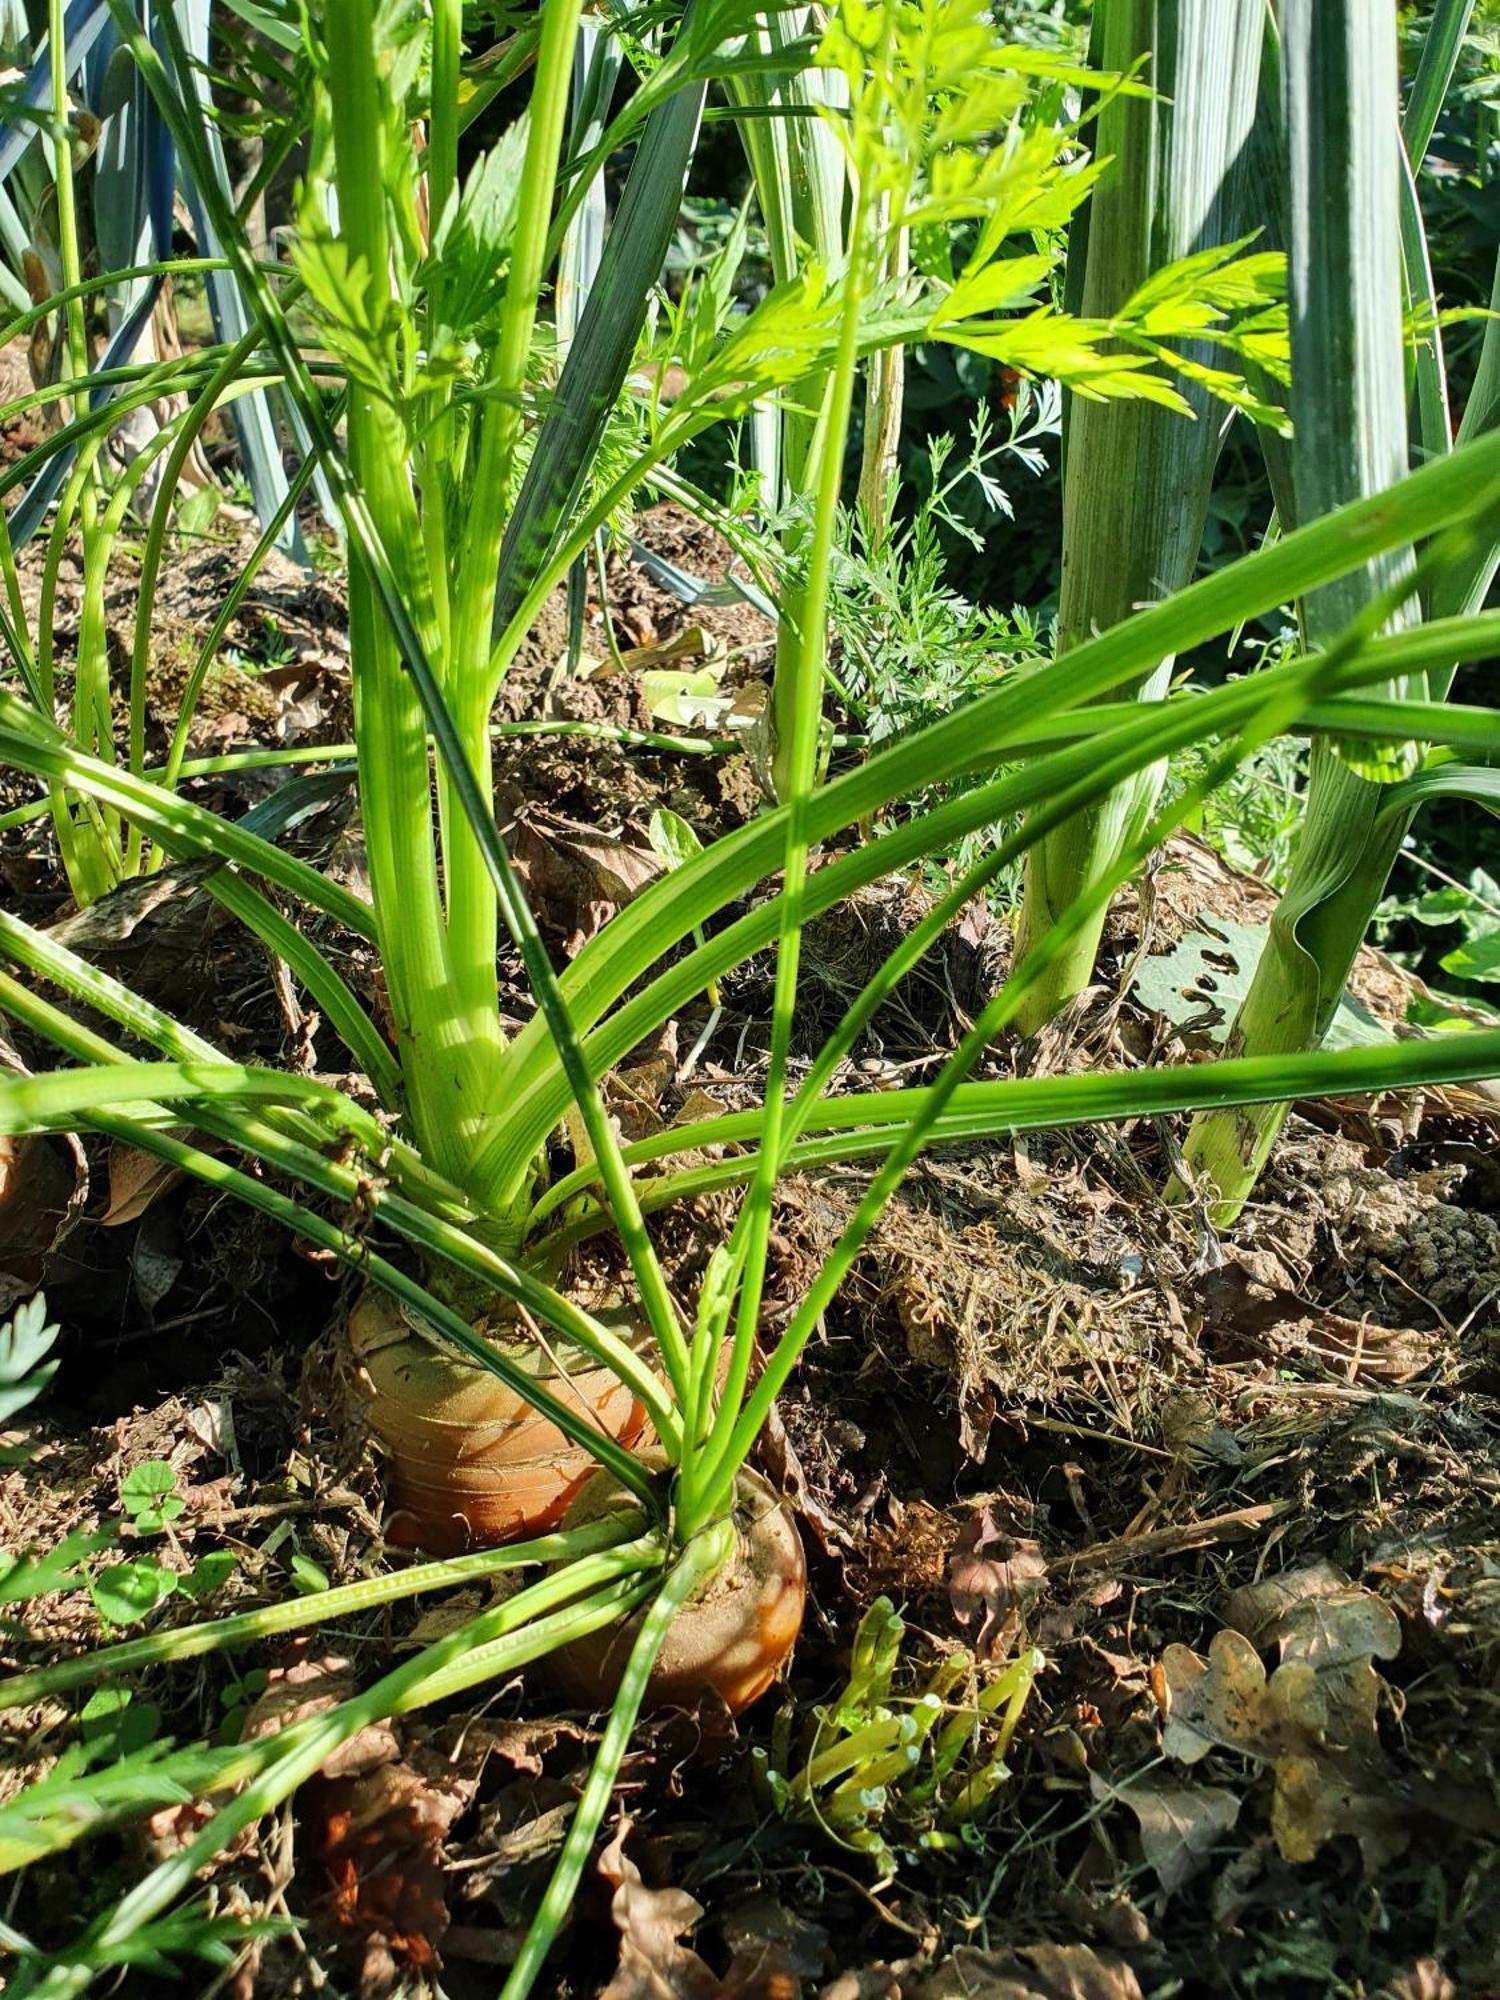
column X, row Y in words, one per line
column 309, row 1686
column 994, row 1578
column 379, row 1836
column 576, row 876
column 1275, row 1322
column 44, row 1184
column 1257, row 1609
column 1180, row 1825
column 1314, row 1720
column 1218, row 1701
column 1035, row 1972
column 654, row 1963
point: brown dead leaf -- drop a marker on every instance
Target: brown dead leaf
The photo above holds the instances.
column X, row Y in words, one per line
column 1035, row 1972
column 312, row 1684
column 775, row 1950
column 380, row 1836
column 1220, row 1701
column 1321, row 1795
column 523, row 1744
column 40, row 1194
column 1337, row 1629
column 1257, row 1609
column 994, row 1577
column 1180, row 1825
column 1277, row 1323
column 44, row 1184
column 654, row 1963
column 577, row 877
column 138, row 1179
column 874, row 1982
column 1313, row 1721
column 107, row 923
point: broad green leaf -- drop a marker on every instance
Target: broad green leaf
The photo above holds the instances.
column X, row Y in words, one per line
column 125, row 1593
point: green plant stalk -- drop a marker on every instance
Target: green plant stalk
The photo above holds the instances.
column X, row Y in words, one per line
column 188, row 431
column 67, row 207
column 179, row 765
column 800, row 180
column 863, row 1126
column 91, row 666
column 886, row 1736
column 799, row 693
column 283, row 1146
column 282, row 1763
column 1136, row 477
column 1440, row 52
column 471, row 907
column 414, row 650
column 189, row 831
column 702, row 1557
column 720, row 1473
column 448, row 1039
column 1431, row 498
column 185, row 829
column 39, row 953
column 1391, row 722
column 1286, row 692
column 1348, row 406
column 1177, row 724
column 50, row 1102
column 296, row 755
column 885, row 397
column 268, row 1621
column 84, row 288
column 89, row 848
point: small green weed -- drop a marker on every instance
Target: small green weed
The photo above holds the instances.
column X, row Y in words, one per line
column 890, row 1768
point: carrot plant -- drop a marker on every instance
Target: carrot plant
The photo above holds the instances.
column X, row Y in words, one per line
column 439, row 1193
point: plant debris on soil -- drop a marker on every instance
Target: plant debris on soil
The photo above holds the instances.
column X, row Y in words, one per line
column 1244, row 1497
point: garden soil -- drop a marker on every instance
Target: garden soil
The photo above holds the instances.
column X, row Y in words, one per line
column 1243, row 1497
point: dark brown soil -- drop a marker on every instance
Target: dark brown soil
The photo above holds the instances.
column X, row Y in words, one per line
column 1048, row 1410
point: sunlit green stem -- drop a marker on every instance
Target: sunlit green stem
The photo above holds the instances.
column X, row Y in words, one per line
column 188, row 430
column 703, row 1557
column 800, row 695
column 472, row 917
column 281, row 1763
column 449, row 1042
column 246, row 1628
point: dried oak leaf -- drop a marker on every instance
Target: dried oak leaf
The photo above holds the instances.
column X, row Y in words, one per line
column 1259, row 1609
column 1313, row 1721
column 1180, row 1825
column 380, row 1838
column 311, row 1684
column 1220, row 1701
column 1034, row 1972
column 994, row 1577
column 1329, row 1793
column 654, row 1963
